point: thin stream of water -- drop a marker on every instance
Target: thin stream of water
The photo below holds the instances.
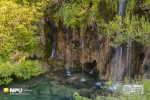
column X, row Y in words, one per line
column 53, row 53
column 83, row 79
column 67, row 51
column 82, row 56
column 52, row 28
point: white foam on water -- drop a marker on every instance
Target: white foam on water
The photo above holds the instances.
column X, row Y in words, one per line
column 74, row 78
column 91, row 72
column 83, row 79
column 98, row 83
column 68, row 74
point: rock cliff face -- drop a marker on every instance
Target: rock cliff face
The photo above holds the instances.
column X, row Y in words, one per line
column 74, row 50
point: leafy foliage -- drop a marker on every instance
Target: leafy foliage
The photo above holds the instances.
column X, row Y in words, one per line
column 133, row 27
column 76, row 13
column 22, row 70
column 18, row 38
column 17, row 28
column 146, row 5
column 78, row 97
column 130, row 6
column 79, row 13
column 120, row 95
column 130, row 28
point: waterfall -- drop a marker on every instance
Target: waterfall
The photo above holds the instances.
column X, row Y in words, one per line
column 82, row 79
column 53, row 53
column 51, row 36
column 129, row 56
column 91, row 72
column 117, row 71
column 82, row 55
column 122, row 7
column 68, row 72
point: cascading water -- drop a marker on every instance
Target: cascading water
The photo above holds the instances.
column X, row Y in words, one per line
column 129, row 56
column 118, row 64
column 53, row 53
column 82, row 79
column 122, row 7
column 91, row 72
column 51, row 36
column 68, row 72
column 117, row 72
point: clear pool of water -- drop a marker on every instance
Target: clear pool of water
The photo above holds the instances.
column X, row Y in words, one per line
column 55, row 85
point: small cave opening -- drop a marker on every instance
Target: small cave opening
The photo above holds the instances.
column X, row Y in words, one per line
column 91, row 67
column 141, row 56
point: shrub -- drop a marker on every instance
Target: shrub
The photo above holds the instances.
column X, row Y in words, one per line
column 121, row 95
column 23, row 70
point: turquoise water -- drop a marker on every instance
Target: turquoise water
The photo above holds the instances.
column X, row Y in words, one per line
column 52, row 86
